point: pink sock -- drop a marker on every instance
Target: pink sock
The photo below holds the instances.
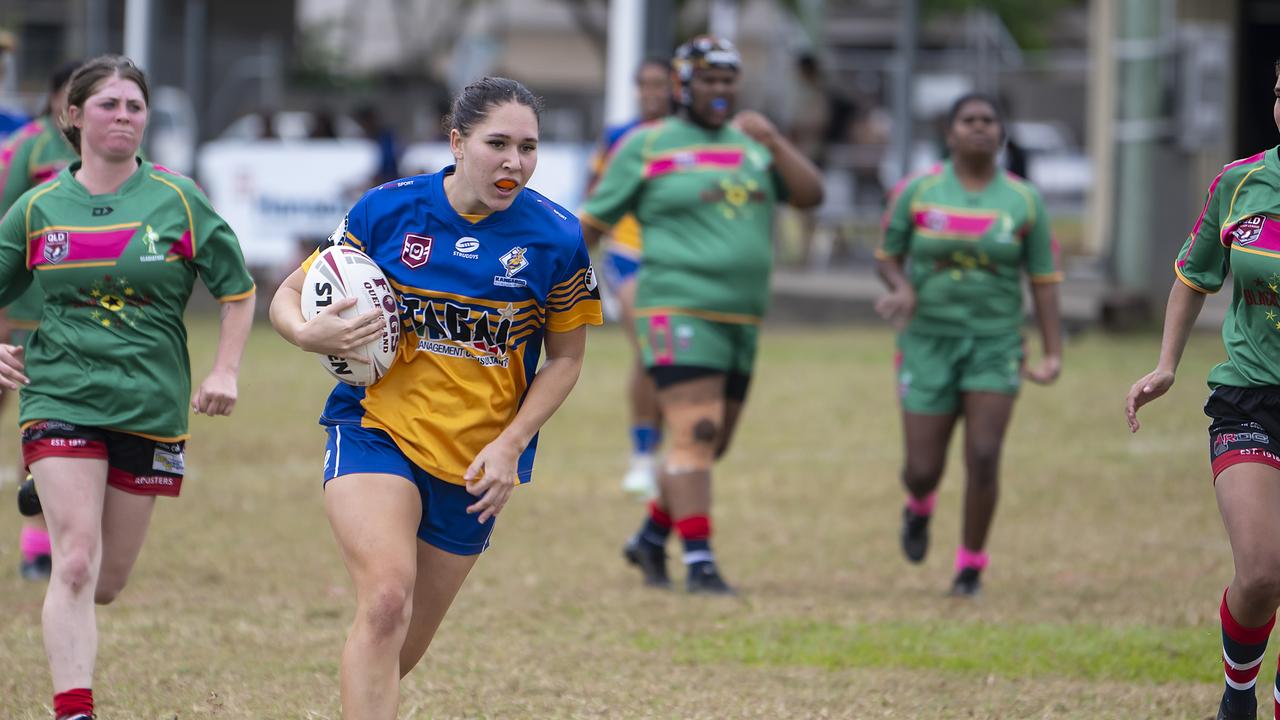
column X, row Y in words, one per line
column 966, row 558
column 922, row 506
column 33, row 542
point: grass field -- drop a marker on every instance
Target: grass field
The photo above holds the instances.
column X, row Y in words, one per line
column 1101, row 601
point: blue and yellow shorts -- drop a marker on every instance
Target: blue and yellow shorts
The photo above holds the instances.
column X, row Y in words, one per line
column 445, row 524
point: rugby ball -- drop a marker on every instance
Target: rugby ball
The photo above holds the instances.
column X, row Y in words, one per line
column 341, row 272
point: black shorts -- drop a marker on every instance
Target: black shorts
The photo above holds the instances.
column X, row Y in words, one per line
column 1245, row 427
column 735, row 383
column 135, row 464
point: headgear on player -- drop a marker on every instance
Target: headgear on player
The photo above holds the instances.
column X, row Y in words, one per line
column 703, row 51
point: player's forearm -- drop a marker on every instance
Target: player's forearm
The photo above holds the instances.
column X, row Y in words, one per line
column 798, row 173
column 891, row 274
column 286, row 308
column 550, row 387
column 237, row 323
column 1179, row 317
column 1044, row 296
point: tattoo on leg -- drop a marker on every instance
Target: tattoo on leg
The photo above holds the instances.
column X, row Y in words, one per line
column 706, row 432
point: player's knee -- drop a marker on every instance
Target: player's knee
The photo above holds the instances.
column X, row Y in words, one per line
column 1258, row 582
column 74, row 568
column 984, row 463
column 922, row 477
column 386, row 609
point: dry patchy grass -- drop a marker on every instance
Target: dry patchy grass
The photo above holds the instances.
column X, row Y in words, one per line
column 1101, row 601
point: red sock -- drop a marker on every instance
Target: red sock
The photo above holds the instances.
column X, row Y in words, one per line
column 659, row 516
column 78, row 701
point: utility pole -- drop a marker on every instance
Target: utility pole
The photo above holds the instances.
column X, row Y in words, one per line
column 1138, row 51
column 623, row 49
column 905, row 65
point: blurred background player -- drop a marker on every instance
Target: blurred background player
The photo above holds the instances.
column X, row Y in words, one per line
column 704, row 190
column 33, row 154
column 1238, row 234
column 106, row 393
column 418, row 466
column 957, row 242
column 621, row 266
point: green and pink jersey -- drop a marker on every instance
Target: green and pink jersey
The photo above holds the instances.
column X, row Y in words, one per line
column 114, row 276
column 966, row 251
column 1238, row 233
column 705, row 201
column 33, row 154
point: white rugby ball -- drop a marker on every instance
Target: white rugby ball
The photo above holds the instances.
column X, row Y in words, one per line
column 341, row 272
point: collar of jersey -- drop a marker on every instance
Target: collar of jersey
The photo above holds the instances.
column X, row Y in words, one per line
column 494, row 218
column 950, row 170
column 135, row 180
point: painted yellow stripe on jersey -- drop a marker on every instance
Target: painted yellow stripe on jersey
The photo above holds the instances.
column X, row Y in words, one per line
column 880, row 254
column 1187, row 281
column 157, row 438
column 1255, row 251
column 79, row 228
column 953, row 210
column 495, row 304
column 355, row 240
column 239, row 296
column 1026, row 196
column 572, row 321
column 926, row 232
column 26, row 218
column 191, row 223
column 712, row 315
column 173, row 258
column 68, row 266
column 1222, row 229
column 560, row 305
column 40, row 142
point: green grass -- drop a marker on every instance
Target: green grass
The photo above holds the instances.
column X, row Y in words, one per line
column 1108, row 559
column 1023, row 651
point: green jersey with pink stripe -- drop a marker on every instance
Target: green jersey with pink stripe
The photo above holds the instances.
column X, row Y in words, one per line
column 31, row 155
column 967, row 251
column 115, row 273
column 705, row 200
column 1238, row 232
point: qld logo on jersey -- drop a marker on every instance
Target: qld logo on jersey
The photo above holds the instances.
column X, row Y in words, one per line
column 513, row 262
column 57, row 245
column 1248, row 230
column 416, row 250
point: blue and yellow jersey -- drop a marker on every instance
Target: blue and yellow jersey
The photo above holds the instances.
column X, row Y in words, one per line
column 475, row 301
column 626, row 238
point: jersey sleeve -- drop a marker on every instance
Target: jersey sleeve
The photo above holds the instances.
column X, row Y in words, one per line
column 350, row 231
column 619, row 188
column 574, row 299
column 217, row 255
column 1041, row 250
column 15, row 275
column 896, row 223
column 15, row 153
column 1203, row 262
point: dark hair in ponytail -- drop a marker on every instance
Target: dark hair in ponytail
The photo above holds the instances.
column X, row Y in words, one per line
column 473, row 104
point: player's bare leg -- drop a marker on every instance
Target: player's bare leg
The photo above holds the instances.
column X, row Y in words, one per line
column 375, row 521
column 440, row 576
